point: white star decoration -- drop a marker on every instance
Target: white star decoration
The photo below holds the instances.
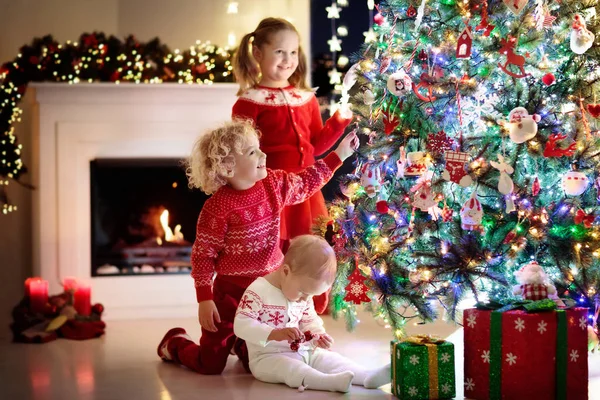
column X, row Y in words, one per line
column 445, row 357
column 333, row 11
column 471, row 321
column 343, row 3
column 574, row 355
column 334, row 44
column 446, row 388
column 582, row 323
column 414, row 359
column 370, row 36
column 412, row 391
column 486, row 356
column 520, row 325
column 542, row 327
column 511, row 359
column 335, row 77
column 469, row 384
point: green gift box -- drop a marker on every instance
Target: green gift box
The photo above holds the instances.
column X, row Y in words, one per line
column 423, row 368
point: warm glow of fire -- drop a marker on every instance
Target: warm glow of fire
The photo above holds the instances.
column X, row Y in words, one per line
column 169, row 235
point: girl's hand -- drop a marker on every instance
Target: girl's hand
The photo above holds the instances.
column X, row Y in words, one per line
column 208, row 314
column 325, row 341
column 347, row 146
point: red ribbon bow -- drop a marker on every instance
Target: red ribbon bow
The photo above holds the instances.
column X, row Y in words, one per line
column 586, row 219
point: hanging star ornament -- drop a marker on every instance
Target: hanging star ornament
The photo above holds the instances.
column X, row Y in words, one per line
column 334, row 44
column 335, row 77
column 370, row 36
column 333, row 11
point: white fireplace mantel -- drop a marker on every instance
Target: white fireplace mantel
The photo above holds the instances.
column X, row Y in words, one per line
column 78, row 123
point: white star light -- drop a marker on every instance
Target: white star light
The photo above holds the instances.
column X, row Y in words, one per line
column 542, row 327
column 445, row 357
column 371, row 4
column 333, row 11
column 412, row 391
column 343, row 3
column 511, row 359
column 446, row 388
column 471, row 321
column 469, row 384
column 582, row 323
column 574, row 355
column 486, row 356
column 232, row 7
column 335, row 77
column 334, row 44
column 520, row 325
column 414, row 359
column 370, row 36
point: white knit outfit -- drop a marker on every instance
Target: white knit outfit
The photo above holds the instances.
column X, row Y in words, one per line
column 263, row 308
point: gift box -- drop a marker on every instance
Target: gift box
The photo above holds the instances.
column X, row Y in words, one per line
column 520, row 354
column 423, row 368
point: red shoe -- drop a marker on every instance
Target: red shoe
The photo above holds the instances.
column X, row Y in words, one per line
column 162, row 351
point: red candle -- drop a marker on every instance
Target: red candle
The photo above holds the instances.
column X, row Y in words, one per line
column 28, row 284
column 38, row 295
column 82, row 301
column 69, row 284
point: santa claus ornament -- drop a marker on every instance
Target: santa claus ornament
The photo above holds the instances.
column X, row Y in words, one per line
column 424, row 198
column 471, row 214
column 534, row 284
column 574, row 183
column 417, row 162
column 522, row 126
column 455, row 168
column 370, row 179
column 399, row 83
column 581, row 38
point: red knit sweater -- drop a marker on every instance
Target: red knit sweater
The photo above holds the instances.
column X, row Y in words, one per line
column 237, row 235
column 291, row 126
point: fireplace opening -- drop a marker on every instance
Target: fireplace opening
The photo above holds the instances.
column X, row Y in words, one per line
column 143, row 217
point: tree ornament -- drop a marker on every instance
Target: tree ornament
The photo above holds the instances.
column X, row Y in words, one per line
column 574, row 183
column 594, row 110
column 464, row 43
column 411, row 11
column 484, row 25
column 423, row 198
column 510, row 236
column 586, row 219
column 369, row 97
column 447, row 213
column 516, row 6
column 535, row 186
column 455, row 168
column 439, row 143
column 522, row 126
column 401, row 163
column 581, row 38
column 417, row 163
column 549, row 79
column 471, row 214
column 422, row 55
column 534, row 284
column 399, row 83
column 371, row 179
column 379, row 19
column 505, row 183
column 356, row 290
column 512, row 58
column 385, row 64
column 551, row 149
column 390, row 122
column 382, row 206
column 425, row 82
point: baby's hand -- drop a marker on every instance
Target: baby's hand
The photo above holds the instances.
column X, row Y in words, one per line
column 285, row 334
column 324, row 341
column 208, row 314
column 347, row 146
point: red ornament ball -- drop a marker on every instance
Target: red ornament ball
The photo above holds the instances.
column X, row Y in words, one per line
column 382, row 206
column 548, row 79
column 411, row 12
column 379, row 19
column 98, row 308
column 429, row 110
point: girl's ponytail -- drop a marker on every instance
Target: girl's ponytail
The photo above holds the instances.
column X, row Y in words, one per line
column 245, row 68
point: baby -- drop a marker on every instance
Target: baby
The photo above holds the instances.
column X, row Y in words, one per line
column 275, row 314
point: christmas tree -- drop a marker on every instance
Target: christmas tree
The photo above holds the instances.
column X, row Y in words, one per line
column 480, row 155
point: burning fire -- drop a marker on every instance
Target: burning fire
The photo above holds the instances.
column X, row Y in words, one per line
column 170, row 236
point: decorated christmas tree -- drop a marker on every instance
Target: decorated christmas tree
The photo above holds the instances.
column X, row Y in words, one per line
column 480, row 155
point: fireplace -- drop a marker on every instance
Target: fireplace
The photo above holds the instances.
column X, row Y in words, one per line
column 143, row 217
column 85, row 129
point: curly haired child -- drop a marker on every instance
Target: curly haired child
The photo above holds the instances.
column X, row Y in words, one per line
column 237, row 235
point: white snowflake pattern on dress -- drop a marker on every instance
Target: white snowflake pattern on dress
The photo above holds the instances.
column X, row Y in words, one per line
column 485, row 355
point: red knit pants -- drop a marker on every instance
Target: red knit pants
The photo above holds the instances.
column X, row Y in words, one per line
column 210, row 357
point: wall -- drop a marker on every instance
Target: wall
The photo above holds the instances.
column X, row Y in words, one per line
column 178, row 23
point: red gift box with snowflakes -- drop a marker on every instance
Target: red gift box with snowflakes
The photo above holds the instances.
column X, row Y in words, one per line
column 519, row 355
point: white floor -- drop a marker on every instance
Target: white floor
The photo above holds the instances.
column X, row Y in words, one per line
column 124, row 365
